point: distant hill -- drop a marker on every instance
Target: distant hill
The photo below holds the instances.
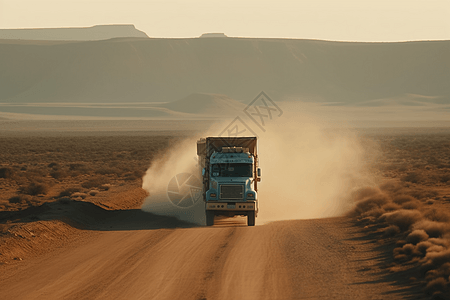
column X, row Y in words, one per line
column 194, row 106
column 164, row 70
column 212, row 104
column 404, row 100
column 213, row 35
column 99, row 32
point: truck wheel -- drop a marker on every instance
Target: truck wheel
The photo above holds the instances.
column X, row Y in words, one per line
column 251, row 218
column 209, row 218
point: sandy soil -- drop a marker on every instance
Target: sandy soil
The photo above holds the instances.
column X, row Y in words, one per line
column 69, row 243
column 282, row 260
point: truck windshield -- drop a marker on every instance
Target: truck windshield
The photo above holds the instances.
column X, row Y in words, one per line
column 232, row 170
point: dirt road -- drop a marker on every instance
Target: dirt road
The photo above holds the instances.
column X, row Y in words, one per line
column 304, row 259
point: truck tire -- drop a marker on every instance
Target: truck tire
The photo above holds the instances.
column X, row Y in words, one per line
column 251, row 218
column 209, row 218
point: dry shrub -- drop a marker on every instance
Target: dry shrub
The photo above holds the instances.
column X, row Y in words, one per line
column 19, row 199
column 437, row 215
column 6, row 173
column 423, row 193
column 423, row 247
column 77, row 167
column 139, row 173
column 401, row 257
column 445, row 178
column 94, row 182
column 34, row 189
column 412, row 204
column 78, row 194
column 391, row 231
column 438, row 258
column 403, row 168
column 391, row 186
column 374, row 213
column 108, row 171
column 437, row 277
column 412, row 177
column 365, row 192
column 53, row 165
column 370, row 199
column 104, row 187
column 390, row 207
column 427, row 245
column 417, row 236
column 400, row 199
column 93, row 192
column 432, row 228
column 406, row 252
column 442, row 271
column 4, row 228
column 402, row 218
column 133, row 175
column 69, row 191
column 15, row 200
column 400, row 243
column 440, row 241
column 435, row 249
column 436, row 285
column 58, row 174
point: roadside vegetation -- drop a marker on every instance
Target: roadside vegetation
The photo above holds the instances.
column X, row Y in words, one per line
column 409, row 212
column 44, row 179
column 34, row 170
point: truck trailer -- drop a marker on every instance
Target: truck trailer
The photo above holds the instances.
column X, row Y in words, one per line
column 230, row 172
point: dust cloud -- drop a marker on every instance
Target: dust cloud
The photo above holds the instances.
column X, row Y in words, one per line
column 177, row 163
column 309, row 169
column 180, row 159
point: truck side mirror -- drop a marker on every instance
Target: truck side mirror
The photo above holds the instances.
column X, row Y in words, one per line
column 203, row 172
column 259, row 172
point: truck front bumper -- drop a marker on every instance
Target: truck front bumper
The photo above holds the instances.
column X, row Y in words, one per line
column 233, row 206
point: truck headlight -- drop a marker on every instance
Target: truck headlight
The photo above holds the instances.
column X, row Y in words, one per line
column 251, row 196
column 212, row 195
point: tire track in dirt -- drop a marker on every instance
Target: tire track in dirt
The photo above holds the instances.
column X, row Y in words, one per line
column 217, row 262
column 303, row 259
column 252, row 267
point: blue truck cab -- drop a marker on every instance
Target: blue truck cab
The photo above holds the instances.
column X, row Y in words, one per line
column 230, row 173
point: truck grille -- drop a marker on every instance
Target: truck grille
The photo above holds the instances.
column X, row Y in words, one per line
column 235, row 192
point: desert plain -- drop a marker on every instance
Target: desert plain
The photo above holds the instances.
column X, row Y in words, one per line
column 354, row 145
column 72, row 227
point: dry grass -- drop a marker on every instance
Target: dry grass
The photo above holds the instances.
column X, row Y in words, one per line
column 104, row 170
column 416, row 156
column 34, row 189
column 6, row 172
column 420, row 231
column 410, row 209
column 47, row 168
column 69, row 191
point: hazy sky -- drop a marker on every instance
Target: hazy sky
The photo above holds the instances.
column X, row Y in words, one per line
column 350, row 20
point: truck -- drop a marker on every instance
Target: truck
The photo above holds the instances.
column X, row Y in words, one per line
column 230, row 173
